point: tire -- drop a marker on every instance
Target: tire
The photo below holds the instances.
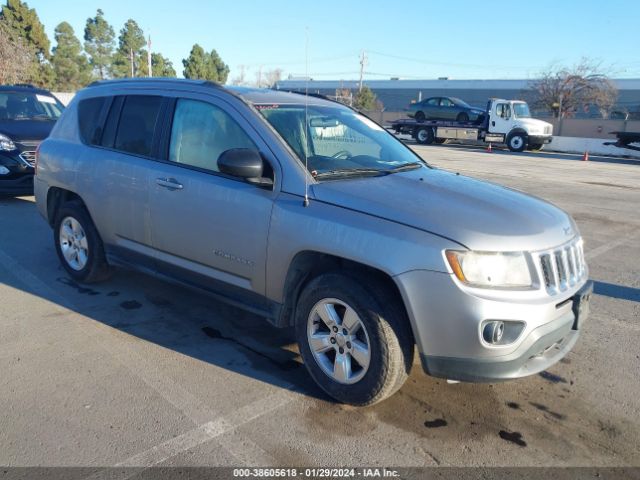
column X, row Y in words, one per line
column 424, row 135
column 78, row 244
column 517, row 142
column 381, row 331
column 420, row 116
column 462, row 117
column 440, row 141
column 536, row 147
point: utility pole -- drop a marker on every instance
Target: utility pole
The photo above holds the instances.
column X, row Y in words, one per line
column 149, row 56
column 363, row 62
column 260, row 76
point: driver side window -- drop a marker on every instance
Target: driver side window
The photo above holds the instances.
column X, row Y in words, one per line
column 201, row 132
column 503, row 110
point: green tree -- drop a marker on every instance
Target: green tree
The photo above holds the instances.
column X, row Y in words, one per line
column 71, row 67
column 99, row 43
column 205, row 66
column 365, row 99
column 23, row 22
column 162, row 66
column 130, row 47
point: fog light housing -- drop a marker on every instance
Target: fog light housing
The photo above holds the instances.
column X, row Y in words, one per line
column 501, row 332
column 493, row 332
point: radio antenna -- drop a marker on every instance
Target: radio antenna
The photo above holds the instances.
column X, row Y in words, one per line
column 306, row 119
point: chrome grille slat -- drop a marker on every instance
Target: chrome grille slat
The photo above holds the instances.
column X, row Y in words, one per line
column 28, row 156
column 562, row 267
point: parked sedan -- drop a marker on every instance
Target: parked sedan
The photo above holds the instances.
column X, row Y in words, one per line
column 444, row 108
column 27, row 115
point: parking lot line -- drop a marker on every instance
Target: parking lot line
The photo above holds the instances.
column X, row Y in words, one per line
column 208, row 431
column 607, row 247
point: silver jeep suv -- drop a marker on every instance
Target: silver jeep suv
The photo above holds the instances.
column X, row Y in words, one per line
column 313, row 216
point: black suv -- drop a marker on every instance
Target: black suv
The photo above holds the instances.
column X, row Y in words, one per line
column 27, row 115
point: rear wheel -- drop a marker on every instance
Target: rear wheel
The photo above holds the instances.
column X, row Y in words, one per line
column 462, row 117
column 516, row 142
column 420, row 116
column 78, row 244
column 536, row 147
column 424, row 135
column 354, row 340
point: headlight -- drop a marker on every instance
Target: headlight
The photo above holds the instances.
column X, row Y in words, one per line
column 490, row 269
column 6, row 143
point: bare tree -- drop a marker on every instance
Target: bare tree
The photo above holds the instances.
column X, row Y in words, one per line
column 271, row 77
column 566, row 90
column 16, row 59
column 241, row 77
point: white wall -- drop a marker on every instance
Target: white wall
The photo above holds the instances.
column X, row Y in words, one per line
column 64, row 97
column 595, row 146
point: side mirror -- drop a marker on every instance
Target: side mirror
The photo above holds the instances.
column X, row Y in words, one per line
column 244, row 163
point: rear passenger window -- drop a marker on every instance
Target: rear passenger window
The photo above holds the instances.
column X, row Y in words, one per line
column 137, row 124
column 89, row 119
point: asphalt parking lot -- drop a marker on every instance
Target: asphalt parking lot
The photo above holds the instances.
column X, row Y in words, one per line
column 136, row 372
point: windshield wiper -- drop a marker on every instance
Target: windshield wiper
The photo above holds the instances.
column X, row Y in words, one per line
column 352, row 172
column 405, row 167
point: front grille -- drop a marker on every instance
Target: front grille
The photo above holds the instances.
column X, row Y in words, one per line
column 29, row 157
column 563, row 267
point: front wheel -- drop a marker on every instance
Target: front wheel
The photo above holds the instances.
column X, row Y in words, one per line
column 516, row 142
column 354, row 340
column 462, row 117
column 424, row 135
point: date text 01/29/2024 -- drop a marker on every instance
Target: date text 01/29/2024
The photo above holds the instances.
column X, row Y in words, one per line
column 314, row 472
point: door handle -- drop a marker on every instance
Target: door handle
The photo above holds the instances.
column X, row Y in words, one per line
column 169, row 183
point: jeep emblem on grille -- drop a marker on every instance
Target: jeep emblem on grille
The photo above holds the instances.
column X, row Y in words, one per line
column 568, row 231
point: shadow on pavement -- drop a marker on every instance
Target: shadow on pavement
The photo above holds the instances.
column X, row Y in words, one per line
column 150, row 309
column 617, row 291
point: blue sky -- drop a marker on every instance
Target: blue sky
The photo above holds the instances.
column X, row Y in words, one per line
column 408, row 38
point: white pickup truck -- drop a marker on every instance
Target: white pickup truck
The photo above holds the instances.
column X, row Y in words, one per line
column 505, row 121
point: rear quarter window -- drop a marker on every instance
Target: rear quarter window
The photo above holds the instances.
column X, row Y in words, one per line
column 90, row 119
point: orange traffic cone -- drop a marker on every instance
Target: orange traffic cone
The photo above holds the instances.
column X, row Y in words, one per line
column 489, row 149
column 585, row 157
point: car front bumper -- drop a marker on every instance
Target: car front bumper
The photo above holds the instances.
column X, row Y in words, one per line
column 447, row 325
column 540, row 139
column 19, row 180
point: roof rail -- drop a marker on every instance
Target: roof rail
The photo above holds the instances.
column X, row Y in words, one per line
column 24, row 85
column 163, row 80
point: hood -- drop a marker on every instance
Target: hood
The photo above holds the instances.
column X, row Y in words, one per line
column 20, row 130
column 532, row 125
column 479, row 215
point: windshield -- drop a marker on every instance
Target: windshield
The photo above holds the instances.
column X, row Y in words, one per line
column 336, row 139
column 521, row 110
column 29, row 106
